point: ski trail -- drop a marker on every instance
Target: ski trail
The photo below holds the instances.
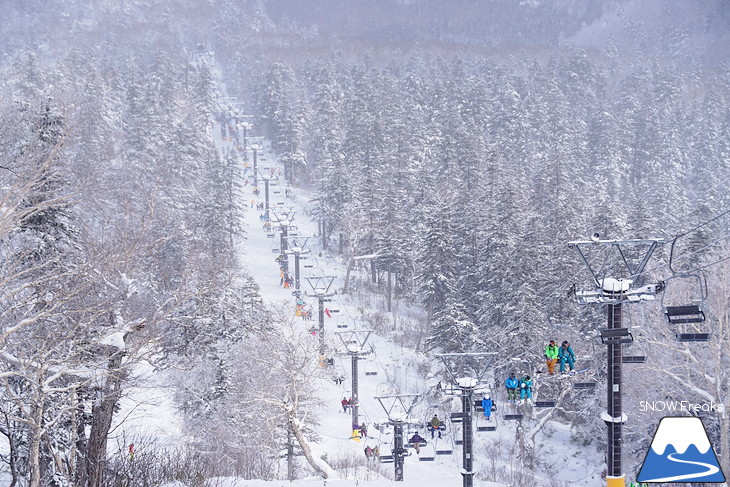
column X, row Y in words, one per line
column 692, row 476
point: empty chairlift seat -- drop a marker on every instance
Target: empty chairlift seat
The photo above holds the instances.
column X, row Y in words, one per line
column 690, row 313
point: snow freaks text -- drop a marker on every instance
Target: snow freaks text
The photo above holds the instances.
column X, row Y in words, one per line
column 680, row 406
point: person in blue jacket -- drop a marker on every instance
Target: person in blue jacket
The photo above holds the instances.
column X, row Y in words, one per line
column 565, row 354
column 487, row 404
column 511, row 384
column 526, row 388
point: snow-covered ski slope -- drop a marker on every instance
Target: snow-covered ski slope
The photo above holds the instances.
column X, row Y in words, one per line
column 397, row 372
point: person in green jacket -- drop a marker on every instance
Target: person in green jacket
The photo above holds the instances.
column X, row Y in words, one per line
column 551, row 356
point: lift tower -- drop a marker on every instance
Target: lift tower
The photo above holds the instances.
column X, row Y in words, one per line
column 267, row 174
column 631, row 257
column 398, row 408
column 297, row 246
column 354, row 342
column 466, row 372
column 282, row 218
column 320, row 288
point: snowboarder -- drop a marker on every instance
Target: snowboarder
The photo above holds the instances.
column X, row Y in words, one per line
column 511, row 384
column 526, row 388
column 416, row 440
column 345, row 404
column 551, row 356
column 565, row 354
column 488, row 405
column 435, row 425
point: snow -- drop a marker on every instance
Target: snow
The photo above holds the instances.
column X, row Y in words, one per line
column 400, row 370
column 680, row 432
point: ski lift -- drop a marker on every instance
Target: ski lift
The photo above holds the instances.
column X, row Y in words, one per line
column 444, row 446
column 686, row 316
column 484, row 425
column 427, row 453
column 386, row 454
column 584, row 386
column 371, row 367
column 633, row 359
column 683, row 314
column 275, row 247
column 541, row 402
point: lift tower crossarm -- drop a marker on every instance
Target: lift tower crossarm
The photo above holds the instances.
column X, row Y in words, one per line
column 619, row 245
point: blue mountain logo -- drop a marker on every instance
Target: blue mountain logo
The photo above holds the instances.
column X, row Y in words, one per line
column 681, row 452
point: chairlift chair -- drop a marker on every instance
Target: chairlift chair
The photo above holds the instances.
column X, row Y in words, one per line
column 371, row 367
column 484, row 425
column 686, row 316
column 444, row 446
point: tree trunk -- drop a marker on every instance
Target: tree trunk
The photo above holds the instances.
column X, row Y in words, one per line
column 346, row 287
column 34, row 450
column 304, row 444
column 13, row 453
column 102, row 414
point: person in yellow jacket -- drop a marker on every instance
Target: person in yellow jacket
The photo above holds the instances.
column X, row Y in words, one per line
column 551, row 356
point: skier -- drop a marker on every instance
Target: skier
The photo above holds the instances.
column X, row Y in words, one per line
column 565, row 354
column 356, row 431
column 526, row 388
column 344, row 405
column 435, row 425
column 511, row 384
column 416, row 441
column 551, row 356
column 368, row 452
column 363, row 430
column 487, row 404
